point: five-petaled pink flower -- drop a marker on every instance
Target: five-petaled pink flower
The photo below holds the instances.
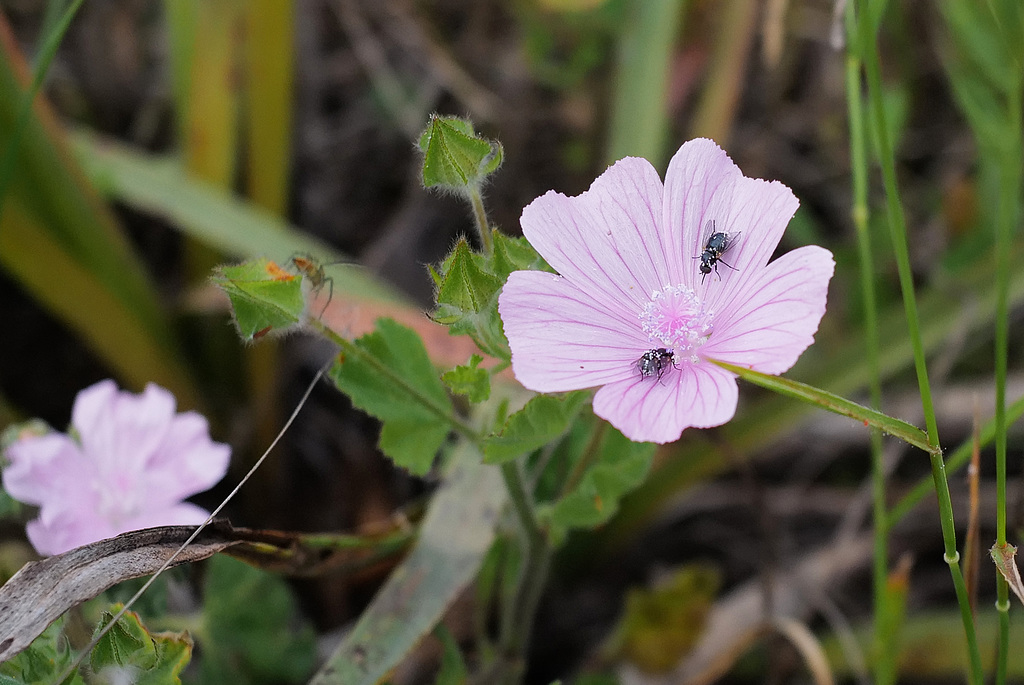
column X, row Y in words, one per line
column 631, row 310
column 129, row 464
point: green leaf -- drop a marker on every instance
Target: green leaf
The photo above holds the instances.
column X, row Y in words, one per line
column 469, row 380
column 619, row 467
column 248, row 632
column 544, row 419
column 47, row 656
column 435, row 574
column 834, row 403
column 388, row 374
column 454, row 157
column 264, row 297
column 129, row 648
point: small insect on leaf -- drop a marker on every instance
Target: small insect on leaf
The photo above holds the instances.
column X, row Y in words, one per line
column 313, row 274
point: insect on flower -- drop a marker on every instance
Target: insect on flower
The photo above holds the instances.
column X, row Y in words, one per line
column 655, row 362
column 715, row 246
column 628, row 299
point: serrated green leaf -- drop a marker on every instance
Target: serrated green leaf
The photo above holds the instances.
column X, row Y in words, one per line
column 469, row 380
column 130, row 648
column 264, row 296
column 619, row 467
column 454, row 156
column 47, row 657
column 388, row 374
column 249, row 628
column 543, row 419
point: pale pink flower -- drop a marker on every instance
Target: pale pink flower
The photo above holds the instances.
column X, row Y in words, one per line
column 630, row 310
column 128, row 464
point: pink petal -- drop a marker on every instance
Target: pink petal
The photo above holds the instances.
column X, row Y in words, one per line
column 605, row 241
column 67, row 530
column 648, row 410
column 120, row 431
column 183, row 514
column 770, row 322
column 563, row 338
column 46, row 470
column 698, row 188
column 703, row 185
column 187, row 461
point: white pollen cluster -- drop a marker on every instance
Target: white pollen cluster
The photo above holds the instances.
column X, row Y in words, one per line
column 675, row 318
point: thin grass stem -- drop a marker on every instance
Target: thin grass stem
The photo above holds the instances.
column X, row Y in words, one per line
column 859, row 214
column 869, row 22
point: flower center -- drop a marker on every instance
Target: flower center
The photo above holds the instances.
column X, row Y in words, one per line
column 676, row 318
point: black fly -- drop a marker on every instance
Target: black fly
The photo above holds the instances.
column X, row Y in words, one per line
column 655, row 362
column 716, row 246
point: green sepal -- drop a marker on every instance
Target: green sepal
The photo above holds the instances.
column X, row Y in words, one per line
column 151, row 658
column 467, row 300
column 43, row 660
column 470, row 380
column 454, row 156
column 468, row 286
column 619, row 467
column 388, row 374
column 250, row 628
column 264, row 297
column 545, row 418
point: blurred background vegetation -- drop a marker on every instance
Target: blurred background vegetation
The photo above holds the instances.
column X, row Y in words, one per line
column 176, row 135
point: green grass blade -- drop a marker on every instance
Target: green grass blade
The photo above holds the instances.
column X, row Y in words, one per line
column 232, row 226
column 269, row 70
column 639, row 119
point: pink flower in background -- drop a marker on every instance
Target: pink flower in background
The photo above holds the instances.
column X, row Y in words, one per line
column 129, row 464
column 640, row 304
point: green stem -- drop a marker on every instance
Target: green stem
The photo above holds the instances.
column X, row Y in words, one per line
column 1009, row 198
column 515, row 638
column 883, row 644
column 480, row 217
column 867, row 31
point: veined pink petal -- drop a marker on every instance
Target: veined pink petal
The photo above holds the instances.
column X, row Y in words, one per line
column 606, row 240
column 770, row 322
column 563, row 338
column 703, row 185
column 650, row 410
column 698, row 188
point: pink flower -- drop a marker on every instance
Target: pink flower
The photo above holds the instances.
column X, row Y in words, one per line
column 129, row 465
column 631, row 310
